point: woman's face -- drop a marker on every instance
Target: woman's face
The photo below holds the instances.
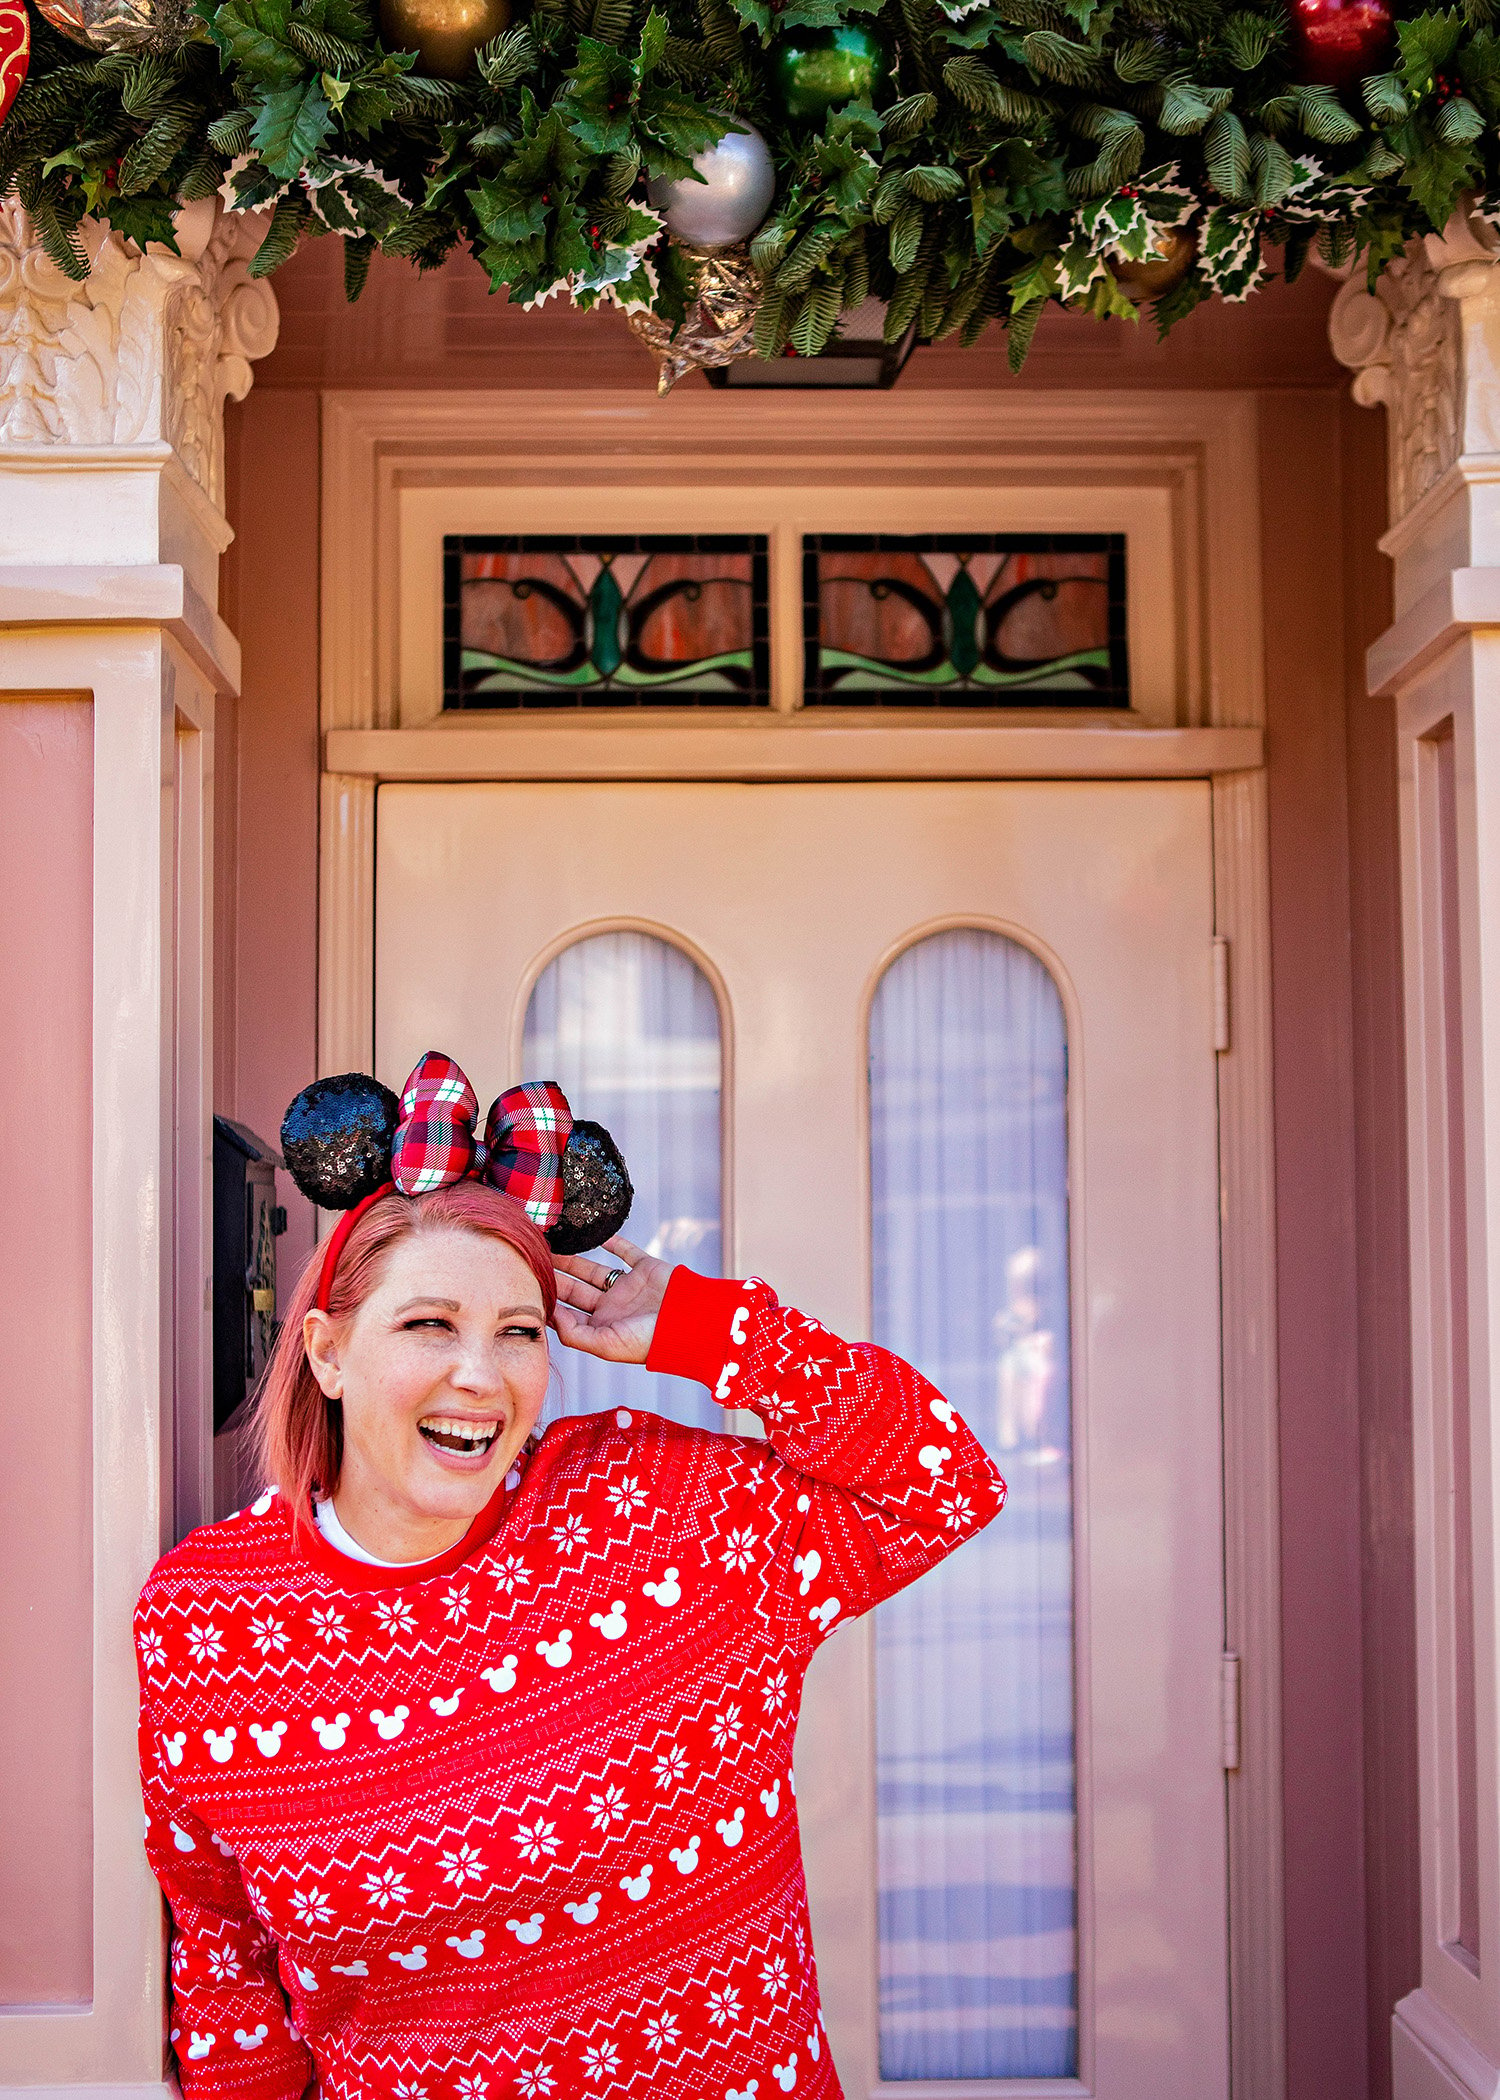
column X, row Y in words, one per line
column 442, row 1372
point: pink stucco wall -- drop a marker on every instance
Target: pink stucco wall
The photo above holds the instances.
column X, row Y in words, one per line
column 46, row 1441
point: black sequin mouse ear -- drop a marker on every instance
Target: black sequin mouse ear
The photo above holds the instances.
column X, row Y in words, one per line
column 336, row 1139
column 597, row 1192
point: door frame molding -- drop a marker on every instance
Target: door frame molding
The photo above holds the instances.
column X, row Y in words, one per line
column 1185, row 465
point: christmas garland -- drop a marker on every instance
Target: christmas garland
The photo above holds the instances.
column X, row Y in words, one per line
column 1026, row 151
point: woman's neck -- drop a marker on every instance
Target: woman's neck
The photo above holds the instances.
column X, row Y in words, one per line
column 391, row 1531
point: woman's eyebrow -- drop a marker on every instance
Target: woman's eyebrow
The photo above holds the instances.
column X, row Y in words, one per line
column 448, row 1304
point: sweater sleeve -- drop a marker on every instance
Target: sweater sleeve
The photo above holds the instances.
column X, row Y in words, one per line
column 231, row 2031
column 868, row 1478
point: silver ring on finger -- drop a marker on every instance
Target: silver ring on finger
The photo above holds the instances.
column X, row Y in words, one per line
column 612, row 1279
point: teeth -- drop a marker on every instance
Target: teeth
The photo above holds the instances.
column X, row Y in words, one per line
column 454, row 1435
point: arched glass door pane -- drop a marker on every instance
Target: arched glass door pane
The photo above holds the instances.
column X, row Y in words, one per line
column 974, row 1665
column 629, row 1027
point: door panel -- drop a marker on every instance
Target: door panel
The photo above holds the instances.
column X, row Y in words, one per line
column 794, row 899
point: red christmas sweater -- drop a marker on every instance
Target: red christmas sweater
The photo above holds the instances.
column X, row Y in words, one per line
column 521, row 1822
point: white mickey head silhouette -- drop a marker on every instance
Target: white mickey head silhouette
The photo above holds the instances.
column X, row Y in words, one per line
column 623, row 1417
column 558, row 1652
column 389, row 1726
column 770, row 1798
column 267, row 1740
column 637, row 1886
column 220, row 1747
column 807, row 1565
column 737, row 1324
column 586, row 1912
column 262, row 1503
column 254, row 2039
column 354, row 1968
column 814, row 2045
column 684, row 1858
column 721, row 1390
column 200, row 2044
column 826, row 1612
column 472, row 1947
column 181, row 1839
column 931, row 1456
column 445, row 1706
column 527, row 1930
column 667, row 1591
column 501, row 1680
column 172, row 1744
column 306, row 1978
column 804, row 1503
column 732, row 1830
column 220, row 1846
column 752, row 2087
column 416, row 1959
column 943, row 1409
column 611, row 1624
column 331, row 1733
column 785, row 2074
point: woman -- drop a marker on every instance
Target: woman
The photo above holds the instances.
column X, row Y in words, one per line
column 466, row 1751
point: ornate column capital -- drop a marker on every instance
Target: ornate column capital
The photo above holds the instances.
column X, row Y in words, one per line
column 146, row 349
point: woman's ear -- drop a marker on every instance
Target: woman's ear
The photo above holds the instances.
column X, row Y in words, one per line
column 321, row 1344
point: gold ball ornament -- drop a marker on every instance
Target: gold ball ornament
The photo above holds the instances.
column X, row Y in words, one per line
column 125, row 25
column 1170, row 258
column 445, row 34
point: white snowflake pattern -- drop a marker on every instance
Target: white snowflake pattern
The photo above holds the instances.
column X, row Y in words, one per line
column 726, row 1727
column 625, row 1497
column 773, row 1976
column 571, row 1532
column 456, row 1602
column 153, row 1650
column 536, row 2082
column 723, row 2006
column 205, row 1643
column 537, row 1840
column 410, row 2090
column 312, row 1906
column 223, row 1965
column 661, row 2032
column 180, row 1957
column 671, row 1766
column 388, row 1886
column 602, row 2061
column 608, row 1807
column 512, row 1574
column 773, row 1691
column 473, row 2088
column 956, row 1510
column 739, row 1550
column 328, row 1623
column 396, row 1615
column 464, row 1863
column 269, row 1635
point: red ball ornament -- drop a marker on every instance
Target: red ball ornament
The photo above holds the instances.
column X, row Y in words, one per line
column 1335, row 42
column 15, row 51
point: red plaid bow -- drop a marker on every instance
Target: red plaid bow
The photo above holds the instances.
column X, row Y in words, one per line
column 525, row 1136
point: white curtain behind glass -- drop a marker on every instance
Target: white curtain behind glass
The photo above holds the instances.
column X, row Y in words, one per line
column 629, row 1027
column 974, row 1665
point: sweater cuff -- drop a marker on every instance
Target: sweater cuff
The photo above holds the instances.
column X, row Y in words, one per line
column 692, row 1328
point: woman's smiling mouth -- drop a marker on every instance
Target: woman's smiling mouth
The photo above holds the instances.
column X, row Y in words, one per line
column 456, row 1437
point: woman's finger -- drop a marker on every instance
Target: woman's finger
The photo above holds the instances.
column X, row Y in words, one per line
column 627, row 1250
column 592, row 1272
column 572, row 1290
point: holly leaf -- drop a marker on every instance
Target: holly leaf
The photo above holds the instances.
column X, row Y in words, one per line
column 290, row 126
column 1436, row 177
column 143, row 219
column 653, row 43
column 1426, row 44
column 252, row 34
column 1230, row 254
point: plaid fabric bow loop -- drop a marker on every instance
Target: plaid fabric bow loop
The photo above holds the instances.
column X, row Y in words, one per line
column 525, row 1136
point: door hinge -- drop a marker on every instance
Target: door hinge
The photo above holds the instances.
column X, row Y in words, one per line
column 1221, row 993
column 1229, row 1708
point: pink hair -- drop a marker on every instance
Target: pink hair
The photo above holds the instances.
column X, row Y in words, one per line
column 299, row 1432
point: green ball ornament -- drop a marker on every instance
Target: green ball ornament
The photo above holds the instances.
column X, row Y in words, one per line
column 816, row 70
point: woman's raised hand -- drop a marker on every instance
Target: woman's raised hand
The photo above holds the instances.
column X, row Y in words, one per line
column 617, row 1322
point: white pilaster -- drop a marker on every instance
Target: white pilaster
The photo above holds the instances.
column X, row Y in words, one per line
column 1426, row 343
column 111, row 529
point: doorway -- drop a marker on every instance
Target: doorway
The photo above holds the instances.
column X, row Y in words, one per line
column 937, row 1060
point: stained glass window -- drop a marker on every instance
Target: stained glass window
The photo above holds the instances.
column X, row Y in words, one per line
column 605, row 620
column 965, row 620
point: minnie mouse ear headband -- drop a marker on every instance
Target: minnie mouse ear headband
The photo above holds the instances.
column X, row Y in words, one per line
column 348, row 1141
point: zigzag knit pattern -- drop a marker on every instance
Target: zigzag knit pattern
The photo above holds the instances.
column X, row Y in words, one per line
column 522, row 1823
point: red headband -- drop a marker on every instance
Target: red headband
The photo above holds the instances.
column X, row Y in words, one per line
column 338, row 1239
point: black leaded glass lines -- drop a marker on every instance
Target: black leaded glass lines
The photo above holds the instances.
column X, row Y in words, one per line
column 605, row 619
column 964, row 620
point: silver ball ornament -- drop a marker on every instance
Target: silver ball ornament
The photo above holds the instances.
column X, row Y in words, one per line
column 729, row 204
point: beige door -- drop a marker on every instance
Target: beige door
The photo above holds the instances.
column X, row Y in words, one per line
column 1033, row 1903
